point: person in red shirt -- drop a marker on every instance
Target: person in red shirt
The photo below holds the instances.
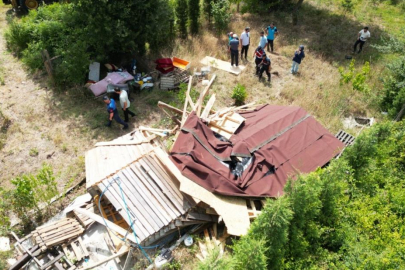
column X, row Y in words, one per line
column 258, row 56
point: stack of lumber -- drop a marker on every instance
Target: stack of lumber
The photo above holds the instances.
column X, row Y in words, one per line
column 211, row 242
column 173, row 79
column 57, row 232
column 84, row 220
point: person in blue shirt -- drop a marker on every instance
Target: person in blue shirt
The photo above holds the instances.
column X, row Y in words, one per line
column 234, row 49
column 298, row 56
column 113, row 112
column 263, row 40
column 271, row 32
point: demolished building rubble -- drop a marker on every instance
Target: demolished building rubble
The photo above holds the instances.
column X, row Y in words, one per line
column 221, row 168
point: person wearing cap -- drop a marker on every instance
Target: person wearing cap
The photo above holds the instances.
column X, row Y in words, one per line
column 124, row 101
column 263, row 40
column 298, row 56
column 234, row 49
column 272, row 32
column 258, row 56
column 113, row 112
column 244, row 42
column 230, row 36
column 362, row 37
column 265, row 66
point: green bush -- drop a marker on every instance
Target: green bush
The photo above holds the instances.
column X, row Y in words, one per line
column 31, row 189
column 349, row 215
column 394, row 88
column 79, row 33
column 221, row 15
column 239, row 94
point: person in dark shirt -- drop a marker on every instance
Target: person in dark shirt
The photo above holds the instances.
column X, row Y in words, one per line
column 258, row 56
column 298, row 56
column 113, row 112
column 234, row 49
column 265, row 66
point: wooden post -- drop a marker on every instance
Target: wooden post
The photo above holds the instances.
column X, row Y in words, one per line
column 47, row 63
column 401, row 112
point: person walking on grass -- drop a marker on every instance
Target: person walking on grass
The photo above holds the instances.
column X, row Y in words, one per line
column 298, row 56
column 271, row 32
column 245, row 42
column 263, row 40
column 234, row 49
column 265, row 66
column 113, row 112
column 124, row 101
column 258, row 56
column 362, row 37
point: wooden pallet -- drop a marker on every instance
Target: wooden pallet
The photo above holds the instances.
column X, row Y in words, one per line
column 84, row 220
column 56, row 233
column 345, row 137
column 173, row 80
column 75, row 249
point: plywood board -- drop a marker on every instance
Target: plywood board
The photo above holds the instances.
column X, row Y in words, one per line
column 219, row 64
column 232, row 209
column 94, row 71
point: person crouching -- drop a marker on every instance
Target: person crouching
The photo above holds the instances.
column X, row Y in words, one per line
column 258, row 56
column 265, row 66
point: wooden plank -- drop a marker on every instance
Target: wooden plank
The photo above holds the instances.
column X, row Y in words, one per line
column 232, row 209
column 219, row 64
column 57, row 241
column 111, row 194
column 57, row 224
column 132, row 142
column 137, row 189
column 162, row 200
column 60, row 234
column 172, row 183
column 208, row 107
column 200, row 100
column 170, row 108
column 119, row 254
column 53, row 261
column 161, row 182
column 110, row 225
column 26, row 250
column 77, row 251
column 140, row 213
column 86, row 254
column 183, row 118
column 203, row 249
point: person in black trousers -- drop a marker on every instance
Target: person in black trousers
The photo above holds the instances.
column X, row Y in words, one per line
column 265, row 66
column 234, row 49
column 245, row 42
column 113, row 113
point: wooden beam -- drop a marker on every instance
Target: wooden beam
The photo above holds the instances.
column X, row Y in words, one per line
column 208, row 107
column 119, row 254
column 170, row 108
column 183, row 117
column 26, row 250
column 200, row 100
column 133, row 142
column 110, row 225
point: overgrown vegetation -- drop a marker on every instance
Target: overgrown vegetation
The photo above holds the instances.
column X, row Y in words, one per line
column 239, row 94
column 347, row 216
column 79, row 33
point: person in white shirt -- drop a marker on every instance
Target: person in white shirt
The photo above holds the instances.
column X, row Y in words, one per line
column 362, row 37
column 244, row 42
column 124, row 101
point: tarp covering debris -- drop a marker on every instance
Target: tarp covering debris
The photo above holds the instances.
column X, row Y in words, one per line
column 281, row 142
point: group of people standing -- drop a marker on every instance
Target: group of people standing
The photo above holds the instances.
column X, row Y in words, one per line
column 262, row 61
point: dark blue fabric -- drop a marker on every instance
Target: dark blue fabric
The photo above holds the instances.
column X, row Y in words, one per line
column 234, row 57
column 234, row 44
column 111, row 107
column 298, row 56
column 118, row 119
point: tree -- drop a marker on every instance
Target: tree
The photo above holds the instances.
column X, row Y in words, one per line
column 208, row 9
column 347, row 5
column 221, row 14
column 182, row 17
column 194, row 15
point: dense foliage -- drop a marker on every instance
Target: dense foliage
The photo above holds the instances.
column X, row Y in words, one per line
column 194, row 15
column 349, row 215
column 182, row 17
column 80, row 33
column 394, row 88
column 220, row 14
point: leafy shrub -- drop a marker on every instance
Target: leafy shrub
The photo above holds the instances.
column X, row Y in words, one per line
column 239, row 94
column 194, row 15
column 358, row 79
column 394, row 88
column 182, row 16
column 31, row 189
